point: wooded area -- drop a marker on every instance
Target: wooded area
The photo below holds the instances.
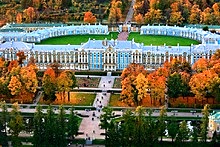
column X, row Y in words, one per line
column 172, row 12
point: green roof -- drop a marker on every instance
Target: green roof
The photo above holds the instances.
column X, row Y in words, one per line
column 12, row 30
column 38, row 25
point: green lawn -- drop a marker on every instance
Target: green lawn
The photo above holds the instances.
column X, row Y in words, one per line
column 115, row 102
column 76, row 99
column 160, row 40
column 77, row 39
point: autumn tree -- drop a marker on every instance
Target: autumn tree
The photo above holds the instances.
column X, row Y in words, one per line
column 29, row 14
column 37, row 4
column 133, row 78
column 157, row 85
column 176, row 17
column 29, row 78
column 19, row 18
column 141, row 85
column 49, row 84
column 141, row 7
column 115, row 13
column 202, row 83
column 216, row 12
column 65, row 83
column 13, row 64
column 139, row 19
column 21, row 57
column 89, row 17
column 15, row 85
column 195, row 13
column 207, row 17
column 200, row 65
column 153, row 16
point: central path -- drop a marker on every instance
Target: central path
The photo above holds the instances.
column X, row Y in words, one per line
column 90, row 125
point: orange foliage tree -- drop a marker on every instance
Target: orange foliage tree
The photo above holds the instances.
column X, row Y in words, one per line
column 139, row 19
column 29, row 14
column 89, row 17
column 202, row 83
column 157, row 85
column 19, row 18
column 200, row 65
column 134, row 84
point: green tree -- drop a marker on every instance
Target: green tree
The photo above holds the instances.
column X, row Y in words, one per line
column 50, row 128
column 195, row 134
column 105, row 119
column 49, row 88
column 151, row 130
column 183, row 132
column 4, row 118
column 205, row 121
column 72, row 126
column 39, row 127
column 15, row 124
column 139, row 138
column 173, row 128
column 174, row 85
column 113, row 135
column 127, row 128
column 61, row 128
column 162, row 123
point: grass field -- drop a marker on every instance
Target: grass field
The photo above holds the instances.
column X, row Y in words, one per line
column 77, row 39
column 160, row 40
column 76, row 99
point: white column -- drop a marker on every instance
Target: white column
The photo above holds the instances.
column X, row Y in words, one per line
column 115, row 58
column 79, row 57
column 160, row 59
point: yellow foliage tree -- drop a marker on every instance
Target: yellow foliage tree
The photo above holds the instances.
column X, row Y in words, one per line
column 64, row 84
column 29, row 79
column 141, row 83
column 15, row 85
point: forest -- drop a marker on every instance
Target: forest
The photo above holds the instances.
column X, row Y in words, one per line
column 172, row 12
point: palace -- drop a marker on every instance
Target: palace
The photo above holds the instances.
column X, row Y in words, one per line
column 107, row 55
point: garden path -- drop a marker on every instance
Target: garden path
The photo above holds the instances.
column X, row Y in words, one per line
column 90, row 125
